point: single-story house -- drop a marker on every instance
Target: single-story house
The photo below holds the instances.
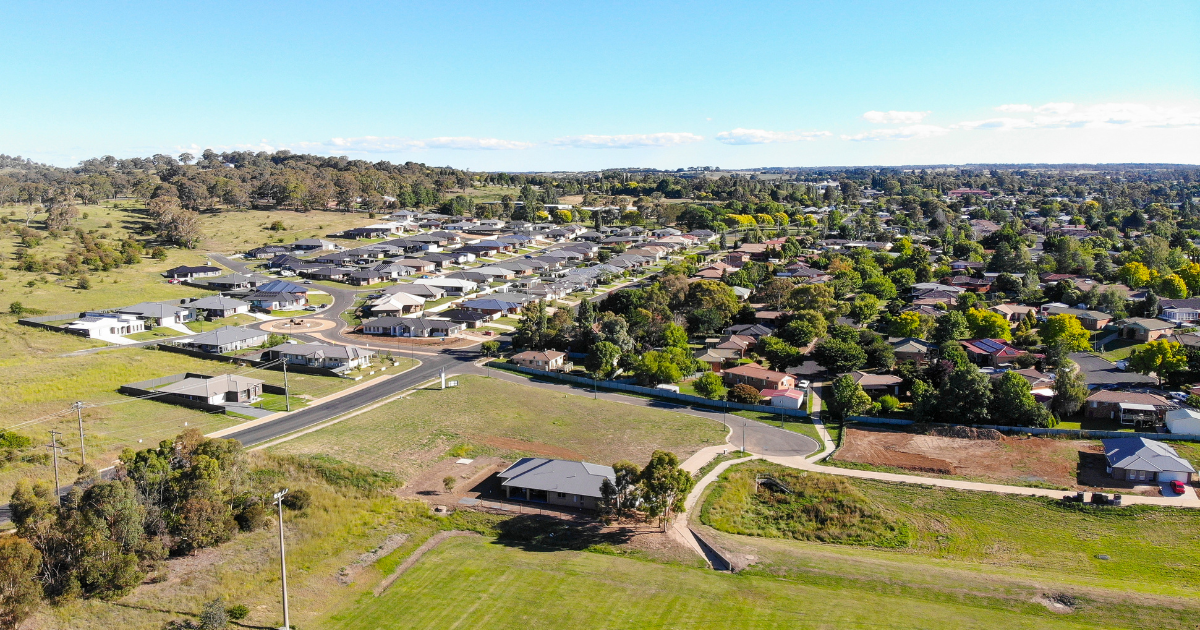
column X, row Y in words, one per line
column 1184, row 420
column 411, row 327
column 1140, row 459
column 451, row 286
column 492, row 306
column 216, row 390
column 991, row 352
column 424, row 290
column 226, row 339
column 748, row 330
column 549, row 360
column 397, row 304
column 555, row 481
column 188, row 273
column 877, row 384
column 159, row 312
column 1180, row 311
column 786, row 398
column 1091, row 320
column 1129, row 407
column 218, row 306
column 312, row 244
column 321, row 355
column 469, row 319
column 1013, row 313
column 277, row 300
column 758, row 377
column 364, row 277
column 108, row 324
column 911, row 348
column 1144, row 329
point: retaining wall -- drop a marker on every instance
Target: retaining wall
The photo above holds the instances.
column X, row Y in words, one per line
column 1075, row 433
column 297, row 369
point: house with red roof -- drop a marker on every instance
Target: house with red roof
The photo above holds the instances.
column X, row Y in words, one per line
column 991, row 352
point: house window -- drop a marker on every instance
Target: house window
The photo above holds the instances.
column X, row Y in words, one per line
column 562, row 495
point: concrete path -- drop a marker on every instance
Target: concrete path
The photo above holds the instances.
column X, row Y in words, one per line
column 179, row 328
column 819, row 424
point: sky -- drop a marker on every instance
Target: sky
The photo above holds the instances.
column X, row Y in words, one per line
column 541, row 86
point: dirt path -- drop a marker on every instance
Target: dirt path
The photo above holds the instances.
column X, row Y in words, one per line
column 412, row 559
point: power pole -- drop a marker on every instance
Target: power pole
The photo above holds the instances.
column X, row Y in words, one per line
column 287, row 394
column 54, row 449
column 283, row 559
column 82, row 448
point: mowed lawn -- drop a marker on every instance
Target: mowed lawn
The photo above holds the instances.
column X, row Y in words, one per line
column 1150, row 549
column 477, row 583
column 403, row 435
column 40, row 382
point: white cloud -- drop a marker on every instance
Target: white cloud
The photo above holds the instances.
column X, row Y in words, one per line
column 760, row 136
column 909, row 132
column 627, row 141
column 894, row 117
column 1015, row 108
column 1100, row 116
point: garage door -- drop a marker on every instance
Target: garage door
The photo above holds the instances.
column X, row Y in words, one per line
column 1172, row 476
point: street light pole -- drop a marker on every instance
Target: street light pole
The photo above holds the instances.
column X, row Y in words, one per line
column 283, row 560
column 82, row 448
column 287, row 393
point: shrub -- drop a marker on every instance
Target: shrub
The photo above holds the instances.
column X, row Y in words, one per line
column 889, row 403
column 84, row 283
column 213, row 615
column 238, row 612
column 297, row 499
column 448, row 482
column 743, row 393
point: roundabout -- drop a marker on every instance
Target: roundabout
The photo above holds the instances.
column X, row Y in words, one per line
column 297, row 325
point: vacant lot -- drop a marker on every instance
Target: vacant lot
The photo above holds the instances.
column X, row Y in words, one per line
column 41, row 382
column 1004, row 460
column 485, row 416
column 473, row 583
column 1151, row 550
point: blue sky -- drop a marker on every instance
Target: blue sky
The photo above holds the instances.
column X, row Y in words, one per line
column 552, row 86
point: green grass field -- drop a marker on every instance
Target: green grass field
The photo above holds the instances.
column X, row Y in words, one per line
column 1152, row 550
column 474, row 583
column 405, row 435
column 238, row 319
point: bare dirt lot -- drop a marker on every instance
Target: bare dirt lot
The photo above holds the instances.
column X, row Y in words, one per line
column 1076, row 464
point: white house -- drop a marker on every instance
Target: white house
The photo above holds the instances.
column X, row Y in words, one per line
column 786, row 398
column 108, row 324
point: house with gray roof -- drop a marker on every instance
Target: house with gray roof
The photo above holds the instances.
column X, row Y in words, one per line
column 555, row 481
column 328, row 356
column 217, row 306
column 1140, row 459
column 411, row 327
column 161, row 312
column 226, row 339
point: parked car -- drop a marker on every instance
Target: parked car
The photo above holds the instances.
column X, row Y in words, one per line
column 307, row 282
column 1180, row 396
column 310, row 308
column 1122, row 364
column 1177, row 487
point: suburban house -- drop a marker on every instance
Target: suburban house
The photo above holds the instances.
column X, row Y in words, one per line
column 1091, row 320
column 555, row 481
column 785, row 398
column 911, row 348
column 1184, row 420
column 236, row 281
column 312, row 244
column 877, row 385
column 1013, row 313
column 991, row 352
column 1133, row 408
column 549, row 360
column 216, row 390
column 748, row 330
column 1140, row 459
column 1144, row 329
column 758, row 377
column 331, row 357
column 283, row 286
column 492, row 306
column 1182, row 311
column 226, row 339
column 218, row 306
column 411, row 327
column 397, row 304
column 188, row 273
column 277, row 300
column 450, row 286
column 158, row 312
column 469, row 319
column 102, row 324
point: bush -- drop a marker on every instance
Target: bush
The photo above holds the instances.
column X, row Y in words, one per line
column 252, row 516
column 84, row 283
column 889, row 403
column 743, row 393
column 238, row 612
column 297, row 499
column 448, row 482
column 213, row 615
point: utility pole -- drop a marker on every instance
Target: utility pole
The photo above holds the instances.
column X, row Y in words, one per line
column 54, row 449
column 283, row 559
column 82, row 448
column 287, row 393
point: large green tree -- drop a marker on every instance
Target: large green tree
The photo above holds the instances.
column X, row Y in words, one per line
column 1160, row 358
column 847, row 398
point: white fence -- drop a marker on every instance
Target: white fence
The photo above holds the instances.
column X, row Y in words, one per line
column 685, row 399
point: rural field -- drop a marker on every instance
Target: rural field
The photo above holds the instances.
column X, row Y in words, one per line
column 485, row 416
column 44, row 378
column 224, row 232
column 1151, row 552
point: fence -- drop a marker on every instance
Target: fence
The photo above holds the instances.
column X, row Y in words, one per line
column 686, row 399
column 1083, row 434
column 40, row 321
column 278, row 367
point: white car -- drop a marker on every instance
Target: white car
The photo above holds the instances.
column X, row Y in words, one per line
column 1122, row 364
